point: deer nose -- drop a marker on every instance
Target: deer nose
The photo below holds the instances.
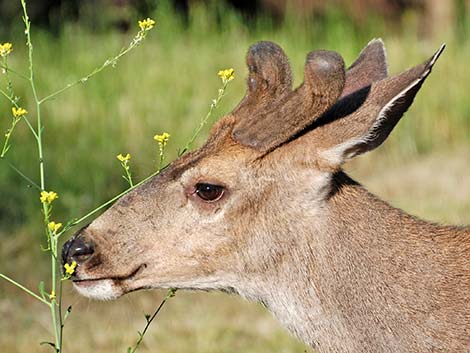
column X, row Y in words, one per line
column 78, row 250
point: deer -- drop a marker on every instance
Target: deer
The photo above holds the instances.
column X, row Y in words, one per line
column 264, row 210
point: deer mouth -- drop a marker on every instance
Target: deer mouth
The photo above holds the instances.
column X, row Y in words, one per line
column 106, row 287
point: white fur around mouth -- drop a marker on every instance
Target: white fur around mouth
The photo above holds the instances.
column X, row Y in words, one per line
column 103, row 289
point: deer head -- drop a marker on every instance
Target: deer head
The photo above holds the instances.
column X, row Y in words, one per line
column 247, row 208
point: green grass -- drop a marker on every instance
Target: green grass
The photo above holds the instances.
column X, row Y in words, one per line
column 167, row 85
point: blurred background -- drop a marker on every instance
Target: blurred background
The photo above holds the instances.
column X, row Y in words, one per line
column 167, row 85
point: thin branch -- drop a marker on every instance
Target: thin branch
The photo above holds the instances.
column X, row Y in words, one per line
column 203, row 122
column 24, row 176
column 14, row 72
column 12, row 101
column 24, row 289
column 107, row 203
column 110, row 62
column 170, row 294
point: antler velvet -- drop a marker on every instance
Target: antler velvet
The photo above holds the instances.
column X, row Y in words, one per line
column 269, row 115
column 346, row 104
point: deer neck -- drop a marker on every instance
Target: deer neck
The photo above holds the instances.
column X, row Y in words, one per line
column 364, row 278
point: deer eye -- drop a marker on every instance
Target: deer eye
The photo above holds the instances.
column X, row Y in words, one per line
column 209, row 192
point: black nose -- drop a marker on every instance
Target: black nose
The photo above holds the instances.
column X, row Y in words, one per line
column 77, row 249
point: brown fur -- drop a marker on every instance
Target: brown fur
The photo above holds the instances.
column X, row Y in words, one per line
column 341, row 269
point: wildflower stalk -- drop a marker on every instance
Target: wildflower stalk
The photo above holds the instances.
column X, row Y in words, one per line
column 17, row 114
column 25, row 177
column 52, row 241
column 52, row 229
column 149, row 318
column 126, row 166
column 6, row 68
column 14, row 102
column 162, row 141
column 226, row 76
column 76, row 221
column 6, row 144
column 109, row 62
column 7, row 75
column 11, row 97
column 61, row 317
column 30, row 292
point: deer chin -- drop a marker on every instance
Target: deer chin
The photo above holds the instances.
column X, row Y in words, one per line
column 102, row 289
column 106, row 288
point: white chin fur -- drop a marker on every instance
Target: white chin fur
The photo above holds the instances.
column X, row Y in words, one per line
column 100, row 290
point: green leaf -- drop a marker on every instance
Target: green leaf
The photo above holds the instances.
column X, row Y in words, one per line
column 67, row 312
column 50, row 344
column 42, row 290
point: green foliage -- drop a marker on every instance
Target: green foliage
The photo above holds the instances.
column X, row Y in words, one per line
column 53, row 230
column 167, row 85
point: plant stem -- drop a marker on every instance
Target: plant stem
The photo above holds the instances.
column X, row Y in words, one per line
column 53, row 290
column 107, row 203
column 170, row 294
column 5, row 277
column 61, row 320
column 110, row 62
column 6, row 68
column 15, row 104
column 203, row 122
column 24, row 176
column 42, row 184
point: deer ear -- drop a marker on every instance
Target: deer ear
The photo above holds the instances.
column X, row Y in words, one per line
column 369, row 67
column 362, row 120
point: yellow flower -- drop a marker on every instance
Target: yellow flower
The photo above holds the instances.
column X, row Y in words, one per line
column 227, row 74
column 147, row 24
column 54, row 227
column 52, row 295
column 48, row 196
column 5, row 49
column 70, row 269
column 17, row 113
column 122, row 158
column 162, row 139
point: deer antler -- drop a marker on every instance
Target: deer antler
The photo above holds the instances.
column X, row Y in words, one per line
column 271, row 113
column 269, row 79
